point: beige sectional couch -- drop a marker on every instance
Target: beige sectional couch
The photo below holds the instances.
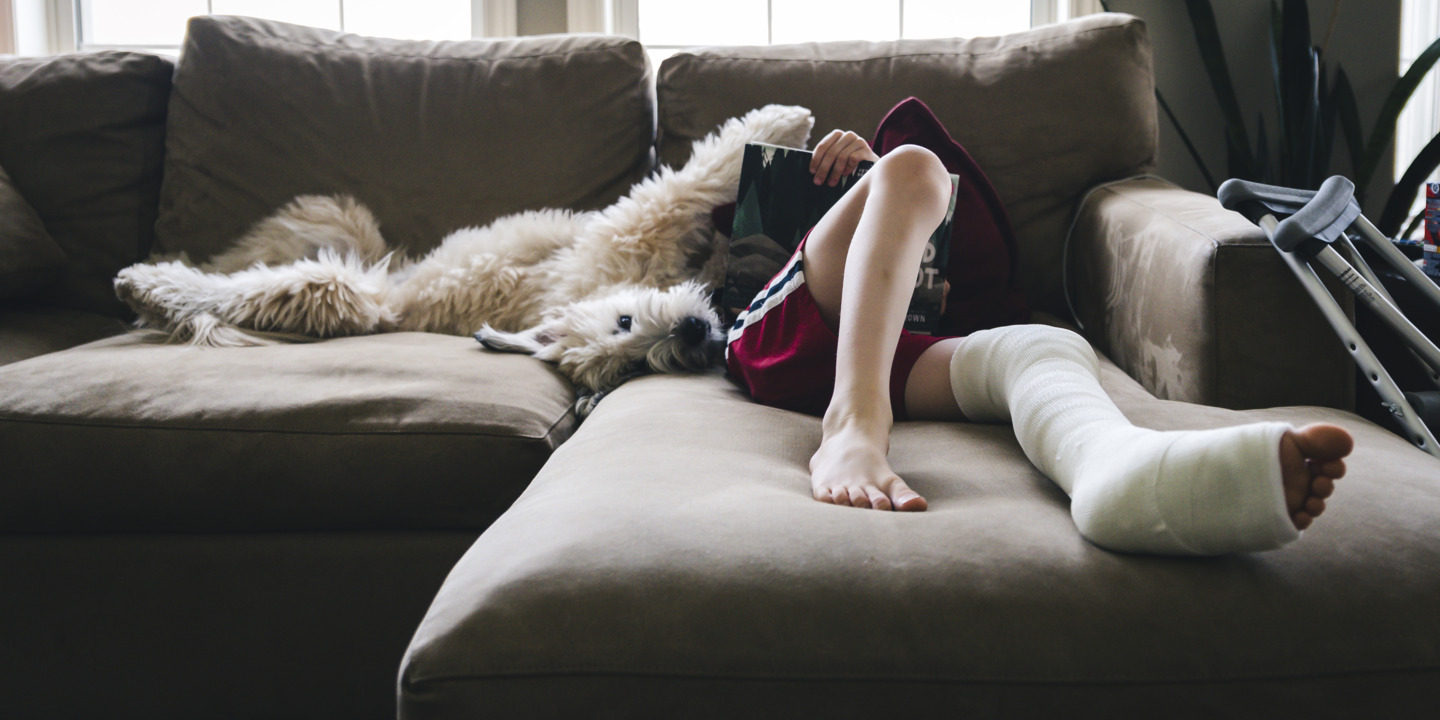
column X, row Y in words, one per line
column 259, row 532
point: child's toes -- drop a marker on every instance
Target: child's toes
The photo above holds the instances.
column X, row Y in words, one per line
column 1328, row 468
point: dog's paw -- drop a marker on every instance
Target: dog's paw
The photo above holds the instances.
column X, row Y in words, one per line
column 586, row 402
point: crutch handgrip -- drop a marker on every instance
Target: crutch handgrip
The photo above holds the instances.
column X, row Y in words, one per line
column 1324, row 218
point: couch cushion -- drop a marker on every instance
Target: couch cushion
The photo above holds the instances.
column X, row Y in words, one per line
column 384, row 432
column 1046, row 113
column 432, row 136
column 669, row 562
column 27, row 330
column 81, row 137
column 29, row 257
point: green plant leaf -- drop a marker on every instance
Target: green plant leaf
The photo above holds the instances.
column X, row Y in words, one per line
column 1403, row 196
column 1199, row 162
column 1277, row 21
column 1342, row 99
column 1384, row 130
column 1262, row 152
column 1298, row 83
column 1325, row 139
column 1212, row 53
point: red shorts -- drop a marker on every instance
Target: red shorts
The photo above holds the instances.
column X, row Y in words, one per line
column 782, row 351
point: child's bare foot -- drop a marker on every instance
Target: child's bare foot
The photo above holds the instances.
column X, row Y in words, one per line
column 1310, row 463
column 850, row 469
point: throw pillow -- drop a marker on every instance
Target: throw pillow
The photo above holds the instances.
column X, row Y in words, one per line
column 29, row 257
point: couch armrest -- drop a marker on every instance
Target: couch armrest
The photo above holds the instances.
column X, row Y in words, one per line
column 1192, row 301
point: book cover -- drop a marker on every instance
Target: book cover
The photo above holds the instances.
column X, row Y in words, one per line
column 779, row 202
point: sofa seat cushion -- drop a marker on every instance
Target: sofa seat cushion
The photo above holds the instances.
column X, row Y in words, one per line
column 431, row 136
column 669, row 562
column 384, row 432
column 28, row 330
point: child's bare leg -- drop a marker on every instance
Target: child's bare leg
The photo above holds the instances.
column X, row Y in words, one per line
column 860, row 263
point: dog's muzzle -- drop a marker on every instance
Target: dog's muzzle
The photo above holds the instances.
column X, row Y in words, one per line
column 694, row 345
column 693, row 330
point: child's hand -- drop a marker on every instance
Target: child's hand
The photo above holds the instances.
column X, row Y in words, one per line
column 837, row 155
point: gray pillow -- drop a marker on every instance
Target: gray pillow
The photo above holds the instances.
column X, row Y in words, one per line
column 81, row 135
column 29, row 258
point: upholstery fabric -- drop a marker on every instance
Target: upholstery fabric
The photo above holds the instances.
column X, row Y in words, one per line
column 82, row 138
column 636, row 577
column 1193, row 301
column 431, row 136
column 1047, row 113
column 29, row 257
column 28, row 330
column 382, row 432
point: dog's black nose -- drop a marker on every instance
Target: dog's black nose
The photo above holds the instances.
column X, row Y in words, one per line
column 693, row 330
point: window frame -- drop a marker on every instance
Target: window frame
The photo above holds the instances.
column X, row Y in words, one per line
column 61, row 22
column 622, row 17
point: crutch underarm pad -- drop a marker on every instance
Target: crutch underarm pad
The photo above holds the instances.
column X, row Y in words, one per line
column 1324, row 218
column 1255, row 200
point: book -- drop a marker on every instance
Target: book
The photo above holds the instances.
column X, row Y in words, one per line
column 779, row 202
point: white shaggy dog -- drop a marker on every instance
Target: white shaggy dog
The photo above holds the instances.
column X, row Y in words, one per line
column 604, row 295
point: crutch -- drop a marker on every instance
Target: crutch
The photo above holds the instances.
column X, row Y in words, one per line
column 1313, row 221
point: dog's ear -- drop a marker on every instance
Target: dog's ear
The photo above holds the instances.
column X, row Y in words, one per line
column 539, row 341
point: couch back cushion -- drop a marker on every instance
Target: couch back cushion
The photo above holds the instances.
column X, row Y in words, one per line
column 29, row 257
column 1046, row 113
column 82, row 139
column 432, row 136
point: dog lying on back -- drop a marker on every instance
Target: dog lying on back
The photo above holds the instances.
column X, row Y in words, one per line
column 604, row 295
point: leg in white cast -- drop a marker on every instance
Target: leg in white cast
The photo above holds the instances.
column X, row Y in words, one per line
column 1202, row 492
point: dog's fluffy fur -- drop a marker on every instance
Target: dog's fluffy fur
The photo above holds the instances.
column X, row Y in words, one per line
column 605, row 295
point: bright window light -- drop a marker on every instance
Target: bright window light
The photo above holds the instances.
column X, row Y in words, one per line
column 796, row 21
column 733, row 22
column 409, row 20
column 314, row 13
column 964, row 18
column 125, row 22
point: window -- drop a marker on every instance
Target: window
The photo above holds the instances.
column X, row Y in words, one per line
column 161, row 23
column 666, row 26
column 1419, row 26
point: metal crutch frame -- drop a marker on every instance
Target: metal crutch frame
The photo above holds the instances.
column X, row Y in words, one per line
column 1313, row 222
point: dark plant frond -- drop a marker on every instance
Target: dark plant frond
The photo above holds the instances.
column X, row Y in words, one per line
column 1277, row 21
column 1325, row 141
column 1299, row 69
column 1262, row 153
column 1384, row 131
column 1342, row 99
column 1212, row 53
column 1414, row 221
column 1185, row 138
column 1237, row 157
column 1403, row 196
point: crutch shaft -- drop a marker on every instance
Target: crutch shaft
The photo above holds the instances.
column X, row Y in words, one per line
column 1382, row 307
